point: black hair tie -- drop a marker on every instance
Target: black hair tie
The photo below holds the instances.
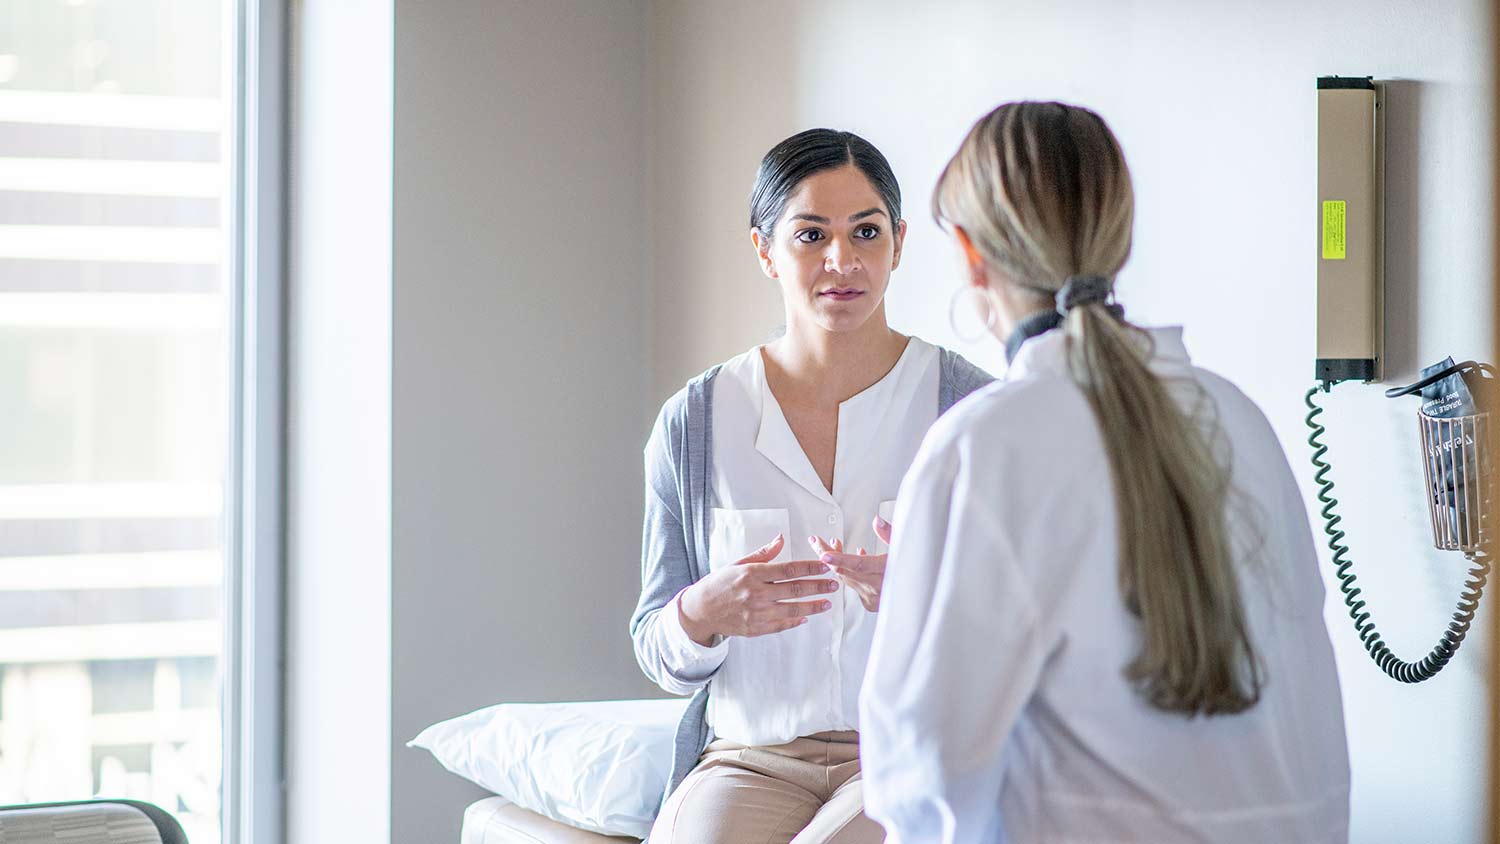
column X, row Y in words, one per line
column 1080, row 290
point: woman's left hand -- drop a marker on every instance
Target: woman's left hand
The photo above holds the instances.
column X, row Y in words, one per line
column 860, row 571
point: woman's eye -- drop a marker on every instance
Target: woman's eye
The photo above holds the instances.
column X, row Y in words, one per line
column 868, row 232
column 809, row 236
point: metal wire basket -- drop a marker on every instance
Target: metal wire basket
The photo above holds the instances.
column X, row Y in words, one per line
column 1460, row 485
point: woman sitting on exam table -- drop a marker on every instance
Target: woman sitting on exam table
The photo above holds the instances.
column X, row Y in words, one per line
column 792, row 450
column 1102, row 617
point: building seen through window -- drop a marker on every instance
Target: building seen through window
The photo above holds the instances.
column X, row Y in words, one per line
column 114, row 364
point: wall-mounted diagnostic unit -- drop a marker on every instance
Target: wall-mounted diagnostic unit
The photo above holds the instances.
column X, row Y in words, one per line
column 1351, row 277
column 1453, row 422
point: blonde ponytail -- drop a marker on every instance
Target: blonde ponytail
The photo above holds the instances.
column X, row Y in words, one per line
column 1044, row 194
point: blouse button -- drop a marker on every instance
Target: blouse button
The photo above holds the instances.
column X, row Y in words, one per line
column 833, row 518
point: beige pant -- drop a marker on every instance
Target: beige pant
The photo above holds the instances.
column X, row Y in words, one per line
column 805, row 792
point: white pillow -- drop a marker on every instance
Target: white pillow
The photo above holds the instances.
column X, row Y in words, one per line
column 600, row 766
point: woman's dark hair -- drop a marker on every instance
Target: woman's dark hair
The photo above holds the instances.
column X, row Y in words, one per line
column 813, row 151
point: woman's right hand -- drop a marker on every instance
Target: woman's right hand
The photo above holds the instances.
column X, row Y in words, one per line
column 750, row 597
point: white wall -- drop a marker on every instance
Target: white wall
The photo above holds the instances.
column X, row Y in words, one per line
column 719, row 97
column 1215, row 106
column 338, row 688
column 520, row 367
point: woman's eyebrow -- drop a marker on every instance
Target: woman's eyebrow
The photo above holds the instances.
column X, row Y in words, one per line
column 853, row 218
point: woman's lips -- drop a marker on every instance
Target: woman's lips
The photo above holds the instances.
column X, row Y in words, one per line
column 842, row 295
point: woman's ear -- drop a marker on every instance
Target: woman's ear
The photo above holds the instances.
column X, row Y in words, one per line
column 979, row 275
column 762, row 246
column 900, row 240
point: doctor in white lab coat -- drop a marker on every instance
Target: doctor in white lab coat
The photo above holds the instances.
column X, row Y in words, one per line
column 1101, row 618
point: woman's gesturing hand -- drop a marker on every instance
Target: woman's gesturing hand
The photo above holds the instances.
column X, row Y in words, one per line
column 752, row 597
column 862, row 572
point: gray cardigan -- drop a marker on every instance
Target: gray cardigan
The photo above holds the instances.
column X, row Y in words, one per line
column 674, row 544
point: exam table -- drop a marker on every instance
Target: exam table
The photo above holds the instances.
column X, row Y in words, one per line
column 495, row 820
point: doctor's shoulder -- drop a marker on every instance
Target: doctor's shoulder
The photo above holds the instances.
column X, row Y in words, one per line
column 1029, row 405
column 1024, row 416
column 1234, row 410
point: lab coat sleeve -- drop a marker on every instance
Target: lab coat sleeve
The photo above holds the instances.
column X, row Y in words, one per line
column 662, row 648
column 956, row 656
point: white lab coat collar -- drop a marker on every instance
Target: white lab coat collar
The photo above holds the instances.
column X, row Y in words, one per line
column 1047, row 353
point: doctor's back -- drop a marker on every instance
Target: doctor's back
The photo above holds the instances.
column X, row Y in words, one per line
column 1031, row 679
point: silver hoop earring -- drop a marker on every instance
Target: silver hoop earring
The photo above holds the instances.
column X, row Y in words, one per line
column 989, row 314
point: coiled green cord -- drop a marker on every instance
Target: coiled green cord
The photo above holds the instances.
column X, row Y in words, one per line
column 1468, row 604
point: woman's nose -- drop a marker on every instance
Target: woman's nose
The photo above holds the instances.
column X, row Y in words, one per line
column 840, row 258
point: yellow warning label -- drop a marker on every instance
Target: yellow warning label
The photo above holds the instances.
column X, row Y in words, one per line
column 1333, row 230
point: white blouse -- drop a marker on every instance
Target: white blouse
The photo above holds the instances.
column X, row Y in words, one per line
column 772, row 689
column 995, row 708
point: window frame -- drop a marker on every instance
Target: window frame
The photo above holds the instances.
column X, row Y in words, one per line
column 253, row 804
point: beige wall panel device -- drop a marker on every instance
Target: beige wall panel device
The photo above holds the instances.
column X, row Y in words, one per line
column 1351, row 278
